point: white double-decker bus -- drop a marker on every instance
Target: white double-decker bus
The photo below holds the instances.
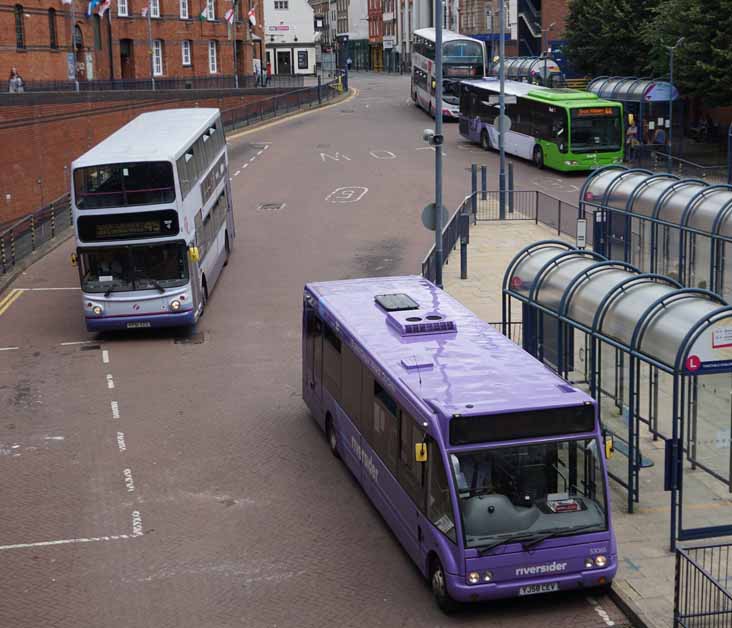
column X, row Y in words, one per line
column 153, row 220
column 462, row 58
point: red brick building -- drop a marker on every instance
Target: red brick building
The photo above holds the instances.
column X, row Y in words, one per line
column 376, row 34
column 182, row 38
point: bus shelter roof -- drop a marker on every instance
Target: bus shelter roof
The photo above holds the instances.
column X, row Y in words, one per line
column 682, row 330
column 632, row 89
column 690, row 203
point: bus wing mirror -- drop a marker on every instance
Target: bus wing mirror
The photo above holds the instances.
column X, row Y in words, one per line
column 420, row 452
column 609, row 446
column 193, row 254
column 74, row 259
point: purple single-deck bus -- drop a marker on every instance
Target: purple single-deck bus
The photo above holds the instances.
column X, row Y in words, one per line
column 489, row 469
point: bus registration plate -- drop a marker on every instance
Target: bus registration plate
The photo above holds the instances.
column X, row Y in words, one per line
column 139, row 325
column 539, row 588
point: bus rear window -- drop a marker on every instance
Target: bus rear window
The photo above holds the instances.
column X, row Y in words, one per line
column 122, row 185
column 516, row 425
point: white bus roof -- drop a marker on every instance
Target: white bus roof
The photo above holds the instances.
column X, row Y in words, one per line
column 429, row 34
column 511, row 88
column 154, row 136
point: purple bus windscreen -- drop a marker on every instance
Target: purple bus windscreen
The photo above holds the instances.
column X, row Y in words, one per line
column 488, row 468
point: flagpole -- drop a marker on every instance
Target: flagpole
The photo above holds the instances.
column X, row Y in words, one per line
column 73, row 45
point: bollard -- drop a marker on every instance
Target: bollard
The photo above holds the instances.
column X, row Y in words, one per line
column 2, row 253
column 464, row 241
column 474, row 191
column 33, row 233
column 510, row 187
column 320, row 98
column 483, row 182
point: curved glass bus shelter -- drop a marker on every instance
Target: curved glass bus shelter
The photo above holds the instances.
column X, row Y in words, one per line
column 663, row 224
column 646, row 98
column 656, row 356
column 531, row 70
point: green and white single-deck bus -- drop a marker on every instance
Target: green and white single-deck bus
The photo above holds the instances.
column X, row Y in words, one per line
column 563, row 129
column 153, row 220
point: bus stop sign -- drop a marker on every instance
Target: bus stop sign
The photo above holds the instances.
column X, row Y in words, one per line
column 428, row 216
column 502, row 121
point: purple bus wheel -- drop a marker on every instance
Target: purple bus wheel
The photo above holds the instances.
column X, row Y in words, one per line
column 439, row 588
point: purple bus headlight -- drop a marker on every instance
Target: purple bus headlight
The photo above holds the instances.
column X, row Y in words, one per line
column 601, row 561
column 98, row 310
column 473, row 577
column 589, row 563
column 175, row 305
column 488, row 576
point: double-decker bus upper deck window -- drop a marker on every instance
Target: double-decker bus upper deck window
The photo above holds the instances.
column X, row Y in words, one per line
column 125, row 184
column 463, row 59
column 527, row 424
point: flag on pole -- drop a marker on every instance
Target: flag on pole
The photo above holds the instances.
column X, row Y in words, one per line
column 65, row 1
column 103, row 7
column 252, row 16
column 229, row 16
column 90, row 8
column 202, row 17
column 144, row 11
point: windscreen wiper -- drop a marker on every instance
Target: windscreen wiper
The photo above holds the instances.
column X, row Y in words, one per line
column 558, row 532
column 108, row 292
column 157, row 285
column 511, row 538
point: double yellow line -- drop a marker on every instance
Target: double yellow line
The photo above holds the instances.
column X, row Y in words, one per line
column 9, row 299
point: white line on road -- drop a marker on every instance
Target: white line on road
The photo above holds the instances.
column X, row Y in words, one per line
column 237, row 173
column 115, row 409
column 110, row 381
column 9, row 348
column 129, row 483
column 105, row 356
column 253, row 158
column 245, row 165
column 91, row 539
column 266, row 147
column 260, row 152
column 121, row 441
column 75, row 342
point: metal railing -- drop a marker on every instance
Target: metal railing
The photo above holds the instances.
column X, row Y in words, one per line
column 514, row 330
column 29, row 233
column 457, row 227
column 24, row 236
column 703, row 587
column 529, row 205
column 656, row 158
column 194, row 82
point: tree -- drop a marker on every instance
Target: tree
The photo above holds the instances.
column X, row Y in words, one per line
column 703, row 61
column 603, row 37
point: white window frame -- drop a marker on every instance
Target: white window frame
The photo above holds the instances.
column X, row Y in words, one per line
column 122, row 9
column 154, row 8
column 158, row 68
column 185, row 51
column 184, row 14
column 213, row 62
column 211, row 10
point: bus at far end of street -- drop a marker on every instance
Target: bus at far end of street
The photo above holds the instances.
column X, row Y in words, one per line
column 489, row 469
column 153, row 220
column 563, row 129
column 462, row 58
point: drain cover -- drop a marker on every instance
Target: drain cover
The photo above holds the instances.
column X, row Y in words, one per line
column 89, row 347
column 192, row 339
column 258, row 146
column 270, row 207
column 347, row 110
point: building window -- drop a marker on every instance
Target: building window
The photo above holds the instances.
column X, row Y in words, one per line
column 185, row 47
column 210, row 10
column 97, row 32
column 212, row 61
column 154, row 8
column 281, row 5
column 158, row 57
column 183, row 9
column 19, row 27
column 52, row 28
column 122, row 8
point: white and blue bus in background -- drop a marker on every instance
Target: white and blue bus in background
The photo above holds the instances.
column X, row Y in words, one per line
column 153, row 220
column 462, row 58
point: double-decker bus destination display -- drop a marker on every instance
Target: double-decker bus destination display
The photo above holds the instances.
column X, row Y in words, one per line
column 128, row 226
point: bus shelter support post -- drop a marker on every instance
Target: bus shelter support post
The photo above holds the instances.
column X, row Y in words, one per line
column 729, row 155
column 320, row 97
column 464, row 238
column 474, row 191
column 483, row 183
column 510, row 187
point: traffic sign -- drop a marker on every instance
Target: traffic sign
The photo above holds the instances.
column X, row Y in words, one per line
column 428, row 216
column 508, row 100
column 503, row 121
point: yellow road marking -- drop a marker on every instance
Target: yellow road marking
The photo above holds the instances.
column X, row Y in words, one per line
column 354, row 93
column 8, row 300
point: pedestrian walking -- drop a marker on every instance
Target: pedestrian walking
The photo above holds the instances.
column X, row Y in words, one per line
column 349, row 61
column 269, row 73
column 16, row 85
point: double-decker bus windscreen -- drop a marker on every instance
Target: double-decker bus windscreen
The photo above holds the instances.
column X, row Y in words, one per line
column 529, row 493
column 126, row 184
column 462, row 59
column 135, row 267
column 596, row 129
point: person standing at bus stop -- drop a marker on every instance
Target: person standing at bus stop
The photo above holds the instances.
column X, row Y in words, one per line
column 269, row 72
column 631, row 138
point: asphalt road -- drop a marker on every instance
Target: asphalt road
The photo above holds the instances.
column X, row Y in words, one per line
column 158, row 480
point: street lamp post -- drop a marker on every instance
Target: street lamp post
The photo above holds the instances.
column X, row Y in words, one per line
column 502, row 113
column 438, row 141
column 671, row 98
column 544, row 31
